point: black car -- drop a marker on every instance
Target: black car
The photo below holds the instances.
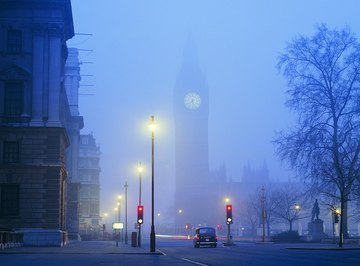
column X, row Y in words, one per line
column 205, row 236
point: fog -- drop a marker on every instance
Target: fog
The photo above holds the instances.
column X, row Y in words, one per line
column 137, row 52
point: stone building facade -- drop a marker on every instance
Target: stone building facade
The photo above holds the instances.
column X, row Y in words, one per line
column 76, row 123
column 89, row 172
column 34, row 117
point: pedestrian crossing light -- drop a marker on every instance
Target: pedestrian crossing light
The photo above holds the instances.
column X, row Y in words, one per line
column 229, row 218
column 140, row 212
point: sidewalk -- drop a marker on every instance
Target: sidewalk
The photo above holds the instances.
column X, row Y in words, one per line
column 311, row 246
column 84, row 247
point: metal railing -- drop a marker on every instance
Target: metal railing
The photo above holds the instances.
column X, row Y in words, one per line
column 10, row 239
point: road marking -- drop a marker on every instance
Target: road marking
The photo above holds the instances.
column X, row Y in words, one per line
column 194, row 262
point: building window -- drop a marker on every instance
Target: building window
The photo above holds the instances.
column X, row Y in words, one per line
column 14, row 99
column 84, row 140
column 9, row 200
column 14, row 41
column 11, row 152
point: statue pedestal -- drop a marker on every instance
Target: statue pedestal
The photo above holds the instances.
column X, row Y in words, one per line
column 316, row 230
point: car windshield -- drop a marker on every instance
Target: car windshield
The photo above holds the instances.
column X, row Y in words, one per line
column 210, row 231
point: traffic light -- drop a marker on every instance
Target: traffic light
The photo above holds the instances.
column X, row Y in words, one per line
column 229, row 219
column 140, row 212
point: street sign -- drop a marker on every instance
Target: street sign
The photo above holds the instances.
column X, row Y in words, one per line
column 117, row 226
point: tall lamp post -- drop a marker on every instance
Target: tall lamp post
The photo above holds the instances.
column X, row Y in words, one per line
column 117, row 234
column 126, row 234
column 119, row 215
column 140, row 171
column 152, row 232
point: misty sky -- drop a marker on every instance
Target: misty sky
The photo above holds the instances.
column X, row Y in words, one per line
column 137, row 55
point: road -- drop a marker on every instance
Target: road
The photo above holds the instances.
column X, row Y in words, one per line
column 181, row 252
column 250, row 253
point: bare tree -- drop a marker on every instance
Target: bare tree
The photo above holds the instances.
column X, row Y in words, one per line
column 290, row 203
column 324, row 91
column 270, row 208
column 251, row 213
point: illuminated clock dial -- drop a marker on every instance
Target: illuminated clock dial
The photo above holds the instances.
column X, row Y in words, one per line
column 192, row 100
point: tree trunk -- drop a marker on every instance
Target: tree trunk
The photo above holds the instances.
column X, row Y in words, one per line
column 268, row 229
column 291, row 225
column 341, row 235
column 344, row 217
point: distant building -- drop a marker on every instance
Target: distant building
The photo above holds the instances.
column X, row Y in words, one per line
column 198, row 193
column 34, row 117
column 76, row 123
column 89, row 173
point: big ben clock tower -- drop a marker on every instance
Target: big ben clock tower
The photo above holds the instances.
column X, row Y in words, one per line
column 191, row 111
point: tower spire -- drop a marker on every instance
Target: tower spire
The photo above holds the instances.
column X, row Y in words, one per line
column 190, row 54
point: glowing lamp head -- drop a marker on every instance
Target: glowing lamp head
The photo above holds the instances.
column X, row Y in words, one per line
column 152, row 124
column 140, row 168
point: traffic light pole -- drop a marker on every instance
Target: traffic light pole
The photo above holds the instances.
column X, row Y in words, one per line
column 229, row 220
column 228, row 238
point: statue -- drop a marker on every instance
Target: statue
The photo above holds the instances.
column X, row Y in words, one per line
column 315, row 211
column 316, row 226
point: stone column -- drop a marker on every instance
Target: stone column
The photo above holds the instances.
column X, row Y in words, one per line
column 38, row 76
column 55, row 68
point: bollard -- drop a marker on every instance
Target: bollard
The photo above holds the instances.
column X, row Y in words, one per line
column 134, row 239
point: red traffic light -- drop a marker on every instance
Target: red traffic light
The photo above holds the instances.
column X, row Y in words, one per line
column 229, row 219
column 140, row 213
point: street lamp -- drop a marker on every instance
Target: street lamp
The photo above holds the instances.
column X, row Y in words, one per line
column 116, row 210
column 140, row 169
column 117, row 235
column 126, row 234
column 119, row 207
column 152, row 232
column 119, row 216
column 103, row 217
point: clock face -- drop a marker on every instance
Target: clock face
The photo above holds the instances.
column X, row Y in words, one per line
column 192, row 100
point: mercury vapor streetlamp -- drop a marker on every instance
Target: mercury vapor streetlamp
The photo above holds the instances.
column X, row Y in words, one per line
column 152, row 232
